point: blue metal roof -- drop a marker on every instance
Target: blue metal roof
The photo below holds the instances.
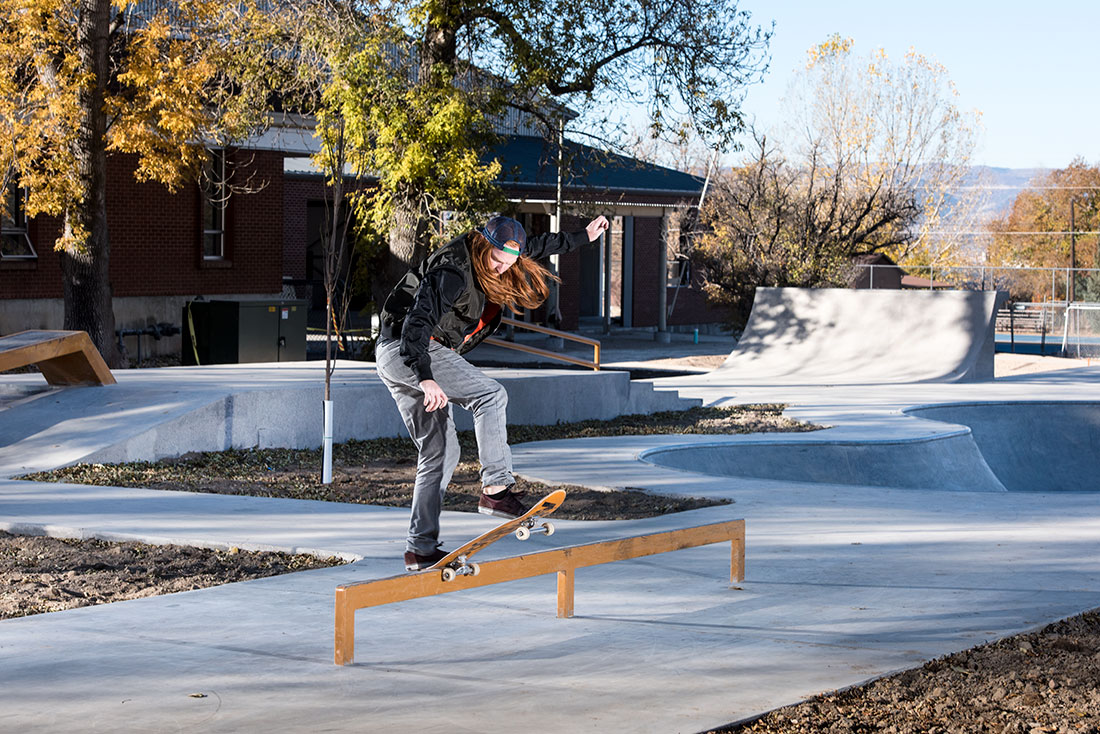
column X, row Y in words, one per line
column 532, row 162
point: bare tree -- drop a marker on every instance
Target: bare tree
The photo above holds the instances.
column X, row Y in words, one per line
column 886, row 150
column 873, row 158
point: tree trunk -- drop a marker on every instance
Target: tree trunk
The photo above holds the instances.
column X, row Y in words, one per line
column 85, row 266
column 406, row 249
column 408, row 230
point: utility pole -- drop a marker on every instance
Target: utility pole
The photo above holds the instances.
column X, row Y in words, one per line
column 1072, row 254
column 553, row 302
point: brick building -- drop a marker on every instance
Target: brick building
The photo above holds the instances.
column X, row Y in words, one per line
column 169, row 248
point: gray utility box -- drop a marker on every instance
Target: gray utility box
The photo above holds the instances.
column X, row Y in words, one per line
column 228, row 332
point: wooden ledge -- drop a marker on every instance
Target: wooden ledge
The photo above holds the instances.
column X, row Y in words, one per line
column 64, row 357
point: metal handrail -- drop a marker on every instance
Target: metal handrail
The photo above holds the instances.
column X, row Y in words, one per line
column 594, row 343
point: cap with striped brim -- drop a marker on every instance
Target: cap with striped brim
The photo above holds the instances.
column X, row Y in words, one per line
column 505, row 234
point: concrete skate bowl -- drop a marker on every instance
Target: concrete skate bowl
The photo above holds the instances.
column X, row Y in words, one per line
column 1031, row 446
column 815, row 336
column 984, row 447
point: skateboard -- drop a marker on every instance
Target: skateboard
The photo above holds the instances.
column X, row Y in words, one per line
column 457, row 562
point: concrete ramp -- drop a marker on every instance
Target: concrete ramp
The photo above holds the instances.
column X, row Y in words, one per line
column 845, row 336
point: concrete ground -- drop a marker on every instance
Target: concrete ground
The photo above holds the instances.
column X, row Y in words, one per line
column 843, row 583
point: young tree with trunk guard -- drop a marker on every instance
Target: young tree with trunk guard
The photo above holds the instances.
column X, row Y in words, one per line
column 317, row 40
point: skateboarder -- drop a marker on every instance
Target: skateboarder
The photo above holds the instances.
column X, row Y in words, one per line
column 437, row 312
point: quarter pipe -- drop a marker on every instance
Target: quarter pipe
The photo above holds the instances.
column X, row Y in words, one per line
column 813, row 336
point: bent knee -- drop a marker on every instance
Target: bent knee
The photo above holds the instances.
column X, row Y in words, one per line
column 497, row 395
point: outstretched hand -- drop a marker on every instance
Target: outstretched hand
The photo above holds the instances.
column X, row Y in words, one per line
column 596, row 227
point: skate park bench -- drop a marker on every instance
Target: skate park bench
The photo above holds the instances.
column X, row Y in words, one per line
column 563, row 561
column 64, row 357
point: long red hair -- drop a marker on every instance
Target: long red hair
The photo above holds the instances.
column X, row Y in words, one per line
column 524, row 285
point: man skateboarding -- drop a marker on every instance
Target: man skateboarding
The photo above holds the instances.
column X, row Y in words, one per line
column 436, row 313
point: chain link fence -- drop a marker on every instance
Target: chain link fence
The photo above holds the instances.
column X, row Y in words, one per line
column 1050, row 310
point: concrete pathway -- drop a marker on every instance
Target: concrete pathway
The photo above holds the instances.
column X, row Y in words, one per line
column 844, row 583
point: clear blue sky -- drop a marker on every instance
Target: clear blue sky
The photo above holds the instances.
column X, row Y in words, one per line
column 1030, row 68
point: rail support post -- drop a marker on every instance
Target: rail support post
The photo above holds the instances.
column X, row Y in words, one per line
column 565, row 593
column 345, row 629
column 737, row 559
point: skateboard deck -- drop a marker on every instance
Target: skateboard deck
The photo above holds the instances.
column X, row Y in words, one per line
column 456, row 563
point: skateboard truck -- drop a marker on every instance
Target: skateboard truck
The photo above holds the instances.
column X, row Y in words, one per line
column 532, row 526
column 457, row 562
column 460, row 567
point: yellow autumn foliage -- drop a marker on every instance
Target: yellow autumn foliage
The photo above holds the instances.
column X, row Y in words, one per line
column 164, row 94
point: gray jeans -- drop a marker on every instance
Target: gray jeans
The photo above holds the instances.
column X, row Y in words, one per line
column 434, row 433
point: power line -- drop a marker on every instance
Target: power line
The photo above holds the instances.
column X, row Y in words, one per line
column 997, row 234
column 1010, row 187
column 1007, row 187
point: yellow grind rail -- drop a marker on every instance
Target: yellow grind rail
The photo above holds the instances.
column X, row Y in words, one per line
column 563, row 561
column 594, row 343
column 63, row 357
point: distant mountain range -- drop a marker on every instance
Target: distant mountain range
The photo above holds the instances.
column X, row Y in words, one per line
column 1001, row 186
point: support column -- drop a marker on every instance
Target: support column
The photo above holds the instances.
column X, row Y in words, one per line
column 628, row 272
column 565, row 593
column 605, row 240
column 662, row 334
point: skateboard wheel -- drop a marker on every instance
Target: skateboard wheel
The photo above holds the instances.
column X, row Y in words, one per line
column 474, row 569
column 448, row 574
column 523, row 533
column 549, row 527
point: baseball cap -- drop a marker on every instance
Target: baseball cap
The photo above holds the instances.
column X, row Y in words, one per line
column 500, row 230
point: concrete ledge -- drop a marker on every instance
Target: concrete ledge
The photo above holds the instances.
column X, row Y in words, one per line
column 153, row 414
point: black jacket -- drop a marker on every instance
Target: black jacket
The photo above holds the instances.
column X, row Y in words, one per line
column 441, row 299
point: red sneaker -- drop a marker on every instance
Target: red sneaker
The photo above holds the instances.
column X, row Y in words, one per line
column 414, row 562
column 505, row 504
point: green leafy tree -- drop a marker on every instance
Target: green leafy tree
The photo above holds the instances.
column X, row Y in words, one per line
column 83, row 79
column 420, row 98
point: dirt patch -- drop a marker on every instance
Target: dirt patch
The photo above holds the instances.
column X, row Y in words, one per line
column 382, row 471
column 42, row 574
column 390, row 483
column 47, row 574
column 1045, row 682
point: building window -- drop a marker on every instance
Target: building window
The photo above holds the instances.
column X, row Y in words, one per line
column 679, row 272
column 15, row 244
column 215, row 196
